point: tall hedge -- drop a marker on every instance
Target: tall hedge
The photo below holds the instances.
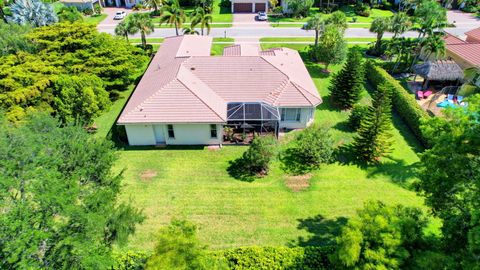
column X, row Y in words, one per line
column 276, row 258
column 403, row 101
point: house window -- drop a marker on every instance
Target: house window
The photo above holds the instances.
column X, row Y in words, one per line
column 171, row 132
column 291, row 114
column 213, row 131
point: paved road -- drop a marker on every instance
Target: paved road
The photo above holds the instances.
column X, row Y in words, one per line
column 236, row 32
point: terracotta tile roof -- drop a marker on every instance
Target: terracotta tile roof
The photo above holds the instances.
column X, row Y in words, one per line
column 469, row 52
column 451, row 39
column 475, row 33
column 184, row 84
column 241, row 50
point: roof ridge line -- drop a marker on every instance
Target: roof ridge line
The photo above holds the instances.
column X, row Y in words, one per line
column 199, row 98
column 300, row 89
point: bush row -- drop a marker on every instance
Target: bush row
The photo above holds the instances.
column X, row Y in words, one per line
column 277, row 258
column 254, row 257
column 403, row 102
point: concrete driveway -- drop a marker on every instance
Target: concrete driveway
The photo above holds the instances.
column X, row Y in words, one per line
column 109, row 22
column 246, row 20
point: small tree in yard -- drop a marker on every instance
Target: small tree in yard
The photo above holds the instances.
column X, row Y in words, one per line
column 347, row 85
column 373, row 141
column 258, row 156
column 331, row 48
column 356, row 116
column 314, row 146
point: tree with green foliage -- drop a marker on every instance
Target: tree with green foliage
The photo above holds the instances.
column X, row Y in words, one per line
column 141, row 22
column 450, row 178
column 433, row 47
column 200, row 17
column 155, row 4
column 316, row 23
column 374, row 138
column 357, row 113
column 69, row 14
column 3, row 17
column 313, row 147
column 32, row 12
column 13, row 39
column 380, row 25
column 299, row 8
column 381, row 237
column 259, row 155
column 347, row 84
column 59, row 197
column 430, row 16
column 331, row 48
column 179, row 248
column 399, row 24
column 79, row 99
column 123, row 29
column 173, row 14
column 187, row 30
column 339, row 19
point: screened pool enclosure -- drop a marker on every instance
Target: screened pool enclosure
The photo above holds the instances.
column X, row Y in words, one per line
column 252, row 117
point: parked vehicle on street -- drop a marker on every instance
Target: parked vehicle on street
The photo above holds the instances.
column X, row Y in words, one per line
column 262, row 16
column 119, row 15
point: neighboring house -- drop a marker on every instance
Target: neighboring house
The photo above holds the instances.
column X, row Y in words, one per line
column 465, row 53
column 80, row 4
column 124, row 3
column 249, row 6
column 187, row 96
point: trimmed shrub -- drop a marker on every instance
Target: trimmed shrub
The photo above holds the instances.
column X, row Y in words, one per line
column 356, row 115
column 130, row 260
column 403, row 101
column 277, row 258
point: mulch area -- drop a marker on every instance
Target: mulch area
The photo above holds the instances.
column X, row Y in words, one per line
column 147, row 175
column 298, row 183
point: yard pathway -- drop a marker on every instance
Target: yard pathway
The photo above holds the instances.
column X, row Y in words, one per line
column 109, row 22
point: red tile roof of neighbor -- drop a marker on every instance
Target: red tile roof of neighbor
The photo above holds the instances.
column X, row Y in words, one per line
column 184, row 84
column 468, row 51
column 451, row 39
column 475, row 33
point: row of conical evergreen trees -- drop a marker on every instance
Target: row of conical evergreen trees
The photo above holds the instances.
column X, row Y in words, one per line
column 373, row 123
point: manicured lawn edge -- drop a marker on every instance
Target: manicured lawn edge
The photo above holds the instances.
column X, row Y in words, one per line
column 403, row 101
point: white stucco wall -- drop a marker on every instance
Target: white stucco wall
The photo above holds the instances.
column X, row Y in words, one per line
column 140, row 134
column 185, row 134
column 306, row 118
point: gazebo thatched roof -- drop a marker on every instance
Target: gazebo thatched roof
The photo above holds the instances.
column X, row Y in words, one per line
column 441, row 70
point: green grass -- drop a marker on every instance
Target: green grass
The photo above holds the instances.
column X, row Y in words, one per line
column 309, row 39
column 362, row 22
column 221, row 14
column 217, row 49
column 149, row 40
column 217, row 39
column 193, row 183
column 95, row 19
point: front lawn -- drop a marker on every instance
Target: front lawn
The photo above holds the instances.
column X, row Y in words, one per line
column 95, row 19
column 193, row 183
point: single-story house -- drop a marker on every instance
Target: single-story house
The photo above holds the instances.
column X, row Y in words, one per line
column 187, row 96
column 80, row 4
column 249, row 6
column 466, row 53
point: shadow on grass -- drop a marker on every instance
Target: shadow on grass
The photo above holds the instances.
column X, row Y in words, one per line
column 343, row 126
column 236, row 169
column 406, row 133
column 291, row 163
column 397, row 170
column 324, row 231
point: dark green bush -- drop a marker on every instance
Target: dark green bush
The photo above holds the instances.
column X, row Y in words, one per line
column 356, row 116
column 277, row 258
column 403, row 101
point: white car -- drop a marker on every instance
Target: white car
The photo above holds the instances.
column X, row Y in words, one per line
column 262, row 16
column 119, row 15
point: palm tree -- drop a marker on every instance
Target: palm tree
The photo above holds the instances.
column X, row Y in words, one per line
column 141, row 22
column 339, row 19
column 199, row 16
column 430, row 16
column 379, row 25
column 433, row 45
column 400, row 23
column 316, row 23
column 123, row 29
column 190, row 31
column 155, row 4
column 172, row 14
